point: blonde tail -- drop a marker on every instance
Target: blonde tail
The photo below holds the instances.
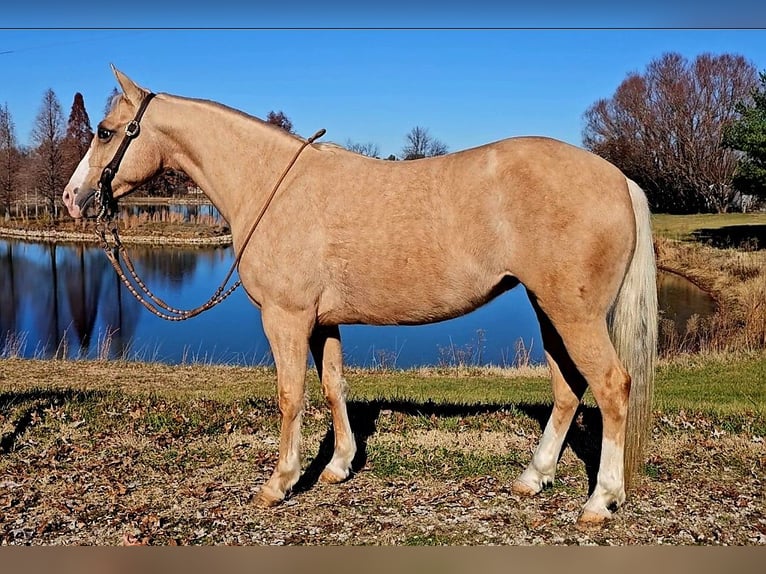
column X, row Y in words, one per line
column 633, row 329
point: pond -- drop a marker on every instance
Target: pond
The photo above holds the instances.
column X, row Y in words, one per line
column 680, row 299
column 66, row 301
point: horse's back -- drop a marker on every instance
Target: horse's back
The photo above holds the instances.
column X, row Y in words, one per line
column 429, row 239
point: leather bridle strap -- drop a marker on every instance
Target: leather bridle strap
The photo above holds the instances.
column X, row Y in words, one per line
column 104, row 193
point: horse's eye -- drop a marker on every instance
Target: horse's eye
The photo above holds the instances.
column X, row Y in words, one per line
column 104, row 134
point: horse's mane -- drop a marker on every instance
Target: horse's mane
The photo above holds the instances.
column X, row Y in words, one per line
column 240, row 113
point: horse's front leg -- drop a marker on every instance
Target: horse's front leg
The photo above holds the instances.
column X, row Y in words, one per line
column 288, row 334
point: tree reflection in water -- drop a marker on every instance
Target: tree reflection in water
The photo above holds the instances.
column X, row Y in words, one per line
column 68, row 296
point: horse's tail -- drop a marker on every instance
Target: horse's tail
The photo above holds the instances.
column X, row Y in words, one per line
column 633, row 329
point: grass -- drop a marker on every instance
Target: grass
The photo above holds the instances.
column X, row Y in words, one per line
column 415, row 420
column 720, row 384
column 730, row 391
column 682, row 227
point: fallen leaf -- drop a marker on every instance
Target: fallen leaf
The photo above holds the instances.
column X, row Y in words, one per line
column 131, row 540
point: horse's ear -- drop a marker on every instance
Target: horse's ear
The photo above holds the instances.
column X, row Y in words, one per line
column 132, row 91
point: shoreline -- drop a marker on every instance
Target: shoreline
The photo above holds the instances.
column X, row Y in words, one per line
column 57, row 236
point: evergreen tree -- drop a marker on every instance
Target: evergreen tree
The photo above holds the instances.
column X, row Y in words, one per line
column 748, row 135
column 110, row 99
column 78, row 135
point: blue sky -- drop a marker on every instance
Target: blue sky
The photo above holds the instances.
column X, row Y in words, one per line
column 467, row 87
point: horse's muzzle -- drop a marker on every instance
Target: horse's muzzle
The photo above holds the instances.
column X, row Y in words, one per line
column 83, row 199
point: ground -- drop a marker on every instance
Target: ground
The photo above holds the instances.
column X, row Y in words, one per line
column 101, row 455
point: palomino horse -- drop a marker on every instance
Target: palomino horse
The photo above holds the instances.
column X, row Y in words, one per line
column 350, row 239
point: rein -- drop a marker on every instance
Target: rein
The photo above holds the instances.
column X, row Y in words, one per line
column 108, row 208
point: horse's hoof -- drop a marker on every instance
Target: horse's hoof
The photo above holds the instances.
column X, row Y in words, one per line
column 264, row 499
column 590, row 520
column 523, row 489
column 330, row 477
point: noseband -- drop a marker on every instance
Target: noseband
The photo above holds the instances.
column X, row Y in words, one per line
column 104, row 195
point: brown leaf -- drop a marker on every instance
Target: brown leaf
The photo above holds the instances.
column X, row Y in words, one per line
column 129, row 539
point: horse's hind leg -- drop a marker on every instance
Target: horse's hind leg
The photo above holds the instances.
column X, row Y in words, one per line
column 568, row 388
column 328, row 356
column 586, row 343
column 610, row 384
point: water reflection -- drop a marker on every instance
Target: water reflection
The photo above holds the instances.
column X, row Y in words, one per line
column 66, row 301
column 65, row 298
column 680, row 299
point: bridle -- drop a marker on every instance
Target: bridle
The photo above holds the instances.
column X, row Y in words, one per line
column 104, row 195
column 108, row 209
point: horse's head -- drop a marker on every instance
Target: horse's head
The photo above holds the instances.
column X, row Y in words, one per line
column 141, row 159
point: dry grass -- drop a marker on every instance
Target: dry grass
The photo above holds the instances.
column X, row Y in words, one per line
column 737, row 281
column 173, row 224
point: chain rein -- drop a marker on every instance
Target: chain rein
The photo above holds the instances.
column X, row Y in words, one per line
column 105, row 221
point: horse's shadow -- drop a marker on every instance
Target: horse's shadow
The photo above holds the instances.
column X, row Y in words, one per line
column 584, row 437
column 35, row 402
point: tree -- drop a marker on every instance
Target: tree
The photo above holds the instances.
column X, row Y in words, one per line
column 78, row 135
column 748, row 135
column 420, row 144
column 664, row 128
column 280, row 120
column 110, row 100
column 369, row 149
column 48, row 160
column 10, row 160
column 167, row 183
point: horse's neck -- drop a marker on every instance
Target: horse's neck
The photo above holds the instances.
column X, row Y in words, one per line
column 233, row 158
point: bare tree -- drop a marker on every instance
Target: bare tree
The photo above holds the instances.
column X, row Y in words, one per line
column 421, row 144
column 48, row 160
column 665, row 129
column 280, row 120
column 167, row 183
column 369, row 149
column 10, row 160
